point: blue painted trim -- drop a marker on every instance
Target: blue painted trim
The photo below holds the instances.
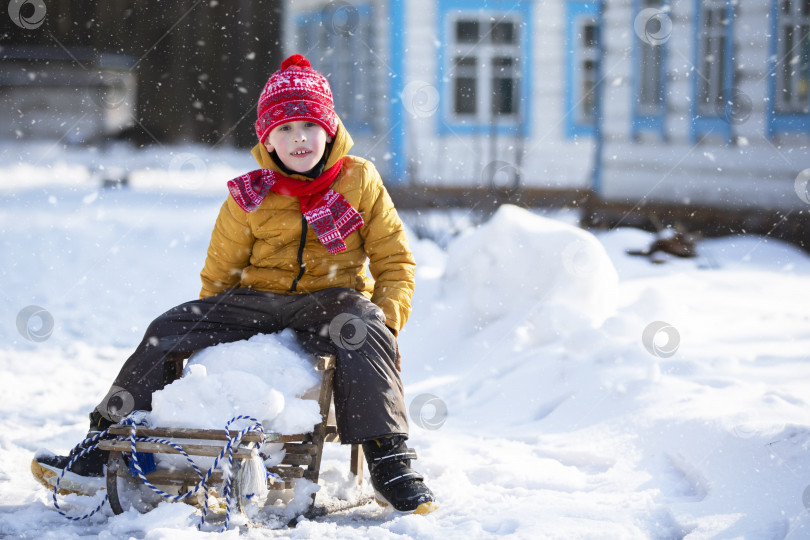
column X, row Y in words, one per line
column 399, row 167
column 576, row 9
column 703, row 125
column 446, row 125
column 790, row 123
column 770, row 112
column 779, row 123
column 596, row 177
column 639, row 121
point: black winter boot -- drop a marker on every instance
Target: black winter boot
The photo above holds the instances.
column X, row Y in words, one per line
column 85, row 474
column 394, row 481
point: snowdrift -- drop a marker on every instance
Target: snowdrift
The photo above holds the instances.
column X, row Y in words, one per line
column 518, row 261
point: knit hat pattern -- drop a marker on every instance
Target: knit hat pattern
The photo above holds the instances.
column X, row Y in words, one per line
column 295, row 92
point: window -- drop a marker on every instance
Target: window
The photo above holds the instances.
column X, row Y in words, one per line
column 652, row 27
column 588, row 63
column 793, row 52
column 504, row 86
column 712, row 58
column 714, row 65
column 483, row 68
column 790, row 71
column 341, row 46
column 465, row 97
column 584, row 67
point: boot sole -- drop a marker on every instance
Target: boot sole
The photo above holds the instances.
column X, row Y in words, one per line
column 71, row 483
column 423, row 509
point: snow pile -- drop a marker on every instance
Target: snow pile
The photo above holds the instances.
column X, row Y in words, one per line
column 264, row 377
column 520, row 261
column 529, row 275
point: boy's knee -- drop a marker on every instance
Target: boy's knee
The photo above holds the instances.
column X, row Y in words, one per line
column 177, row 321
column 155, row 335
column 357, row 321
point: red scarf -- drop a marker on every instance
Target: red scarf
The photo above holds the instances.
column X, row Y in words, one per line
column 328, row 212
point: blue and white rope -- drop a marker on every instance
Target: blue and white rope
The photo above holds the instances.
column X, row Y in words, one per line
column 88, row 445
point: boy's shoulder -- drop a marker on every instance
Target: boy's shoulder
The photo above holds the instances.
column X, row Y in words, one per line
column 350, row 160
column 359, row 182
column 360, row 170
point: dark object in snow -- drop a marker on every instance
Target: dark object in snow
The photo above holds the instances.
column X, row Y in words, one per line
column 669, row 241
column 113, row 182
column 112, row 177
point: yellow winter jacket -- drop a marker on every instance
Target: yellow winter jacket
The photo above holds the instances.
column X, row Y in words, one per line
column 273, row 249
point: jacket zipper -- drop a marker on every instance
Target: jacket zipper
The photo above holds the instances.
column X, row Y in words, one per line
column 301, row 245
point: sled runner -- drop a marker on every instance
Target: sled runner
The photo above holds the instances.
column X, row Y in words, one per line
column 302, row 458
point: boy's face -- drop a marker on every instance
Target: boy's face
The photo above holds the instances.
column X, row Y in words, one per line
column 299, row 144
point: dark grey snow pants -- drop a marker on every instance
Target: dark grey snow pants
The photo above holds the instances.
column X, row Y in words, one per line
column 369, row 400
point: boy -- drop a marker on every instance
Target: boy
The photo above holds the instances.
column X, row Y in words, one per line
column 288, row 250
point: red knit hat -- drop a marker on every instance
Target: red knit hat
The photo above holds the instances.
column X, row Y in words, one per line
column 295, row 92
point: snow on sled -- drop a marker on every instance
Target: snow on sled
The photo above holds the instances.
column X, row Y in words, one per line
column 270, row 478
column 238, row 481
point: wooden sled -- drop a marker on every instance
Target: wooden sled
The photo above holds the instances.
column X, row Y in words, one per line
column 302, row 458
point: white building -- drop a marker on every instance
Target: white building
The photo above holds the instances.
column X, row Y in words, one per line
column 705, row 102
column 681, row 102
column 449, row 93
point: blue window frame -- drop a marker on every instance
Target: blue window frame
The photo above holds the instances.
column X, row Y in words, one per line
column 789, row 81
column 484, row 77
column 652, row 27
column 583, row 73
column 340, row 45
column 714, row 68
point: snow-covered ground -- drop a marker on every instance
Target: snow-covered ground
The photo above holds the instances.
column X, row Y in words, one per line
column 557, row 387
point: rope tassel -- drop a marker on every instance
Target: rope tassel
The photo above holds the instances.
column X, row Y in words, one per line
column 253, row 483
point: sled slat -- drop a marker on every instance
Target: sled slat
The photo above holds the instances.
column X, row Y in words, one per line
column 297, row 459
column 287, row 472
column 189, row 478
column 293, row 448
column 207, row 434
column 175, row 477
column 203, row 450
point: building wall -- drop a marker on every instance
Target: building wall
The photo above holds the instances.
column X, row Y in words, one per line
column 731, row 163
column 412, row 87
column 542, row 155
column 736, row 165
